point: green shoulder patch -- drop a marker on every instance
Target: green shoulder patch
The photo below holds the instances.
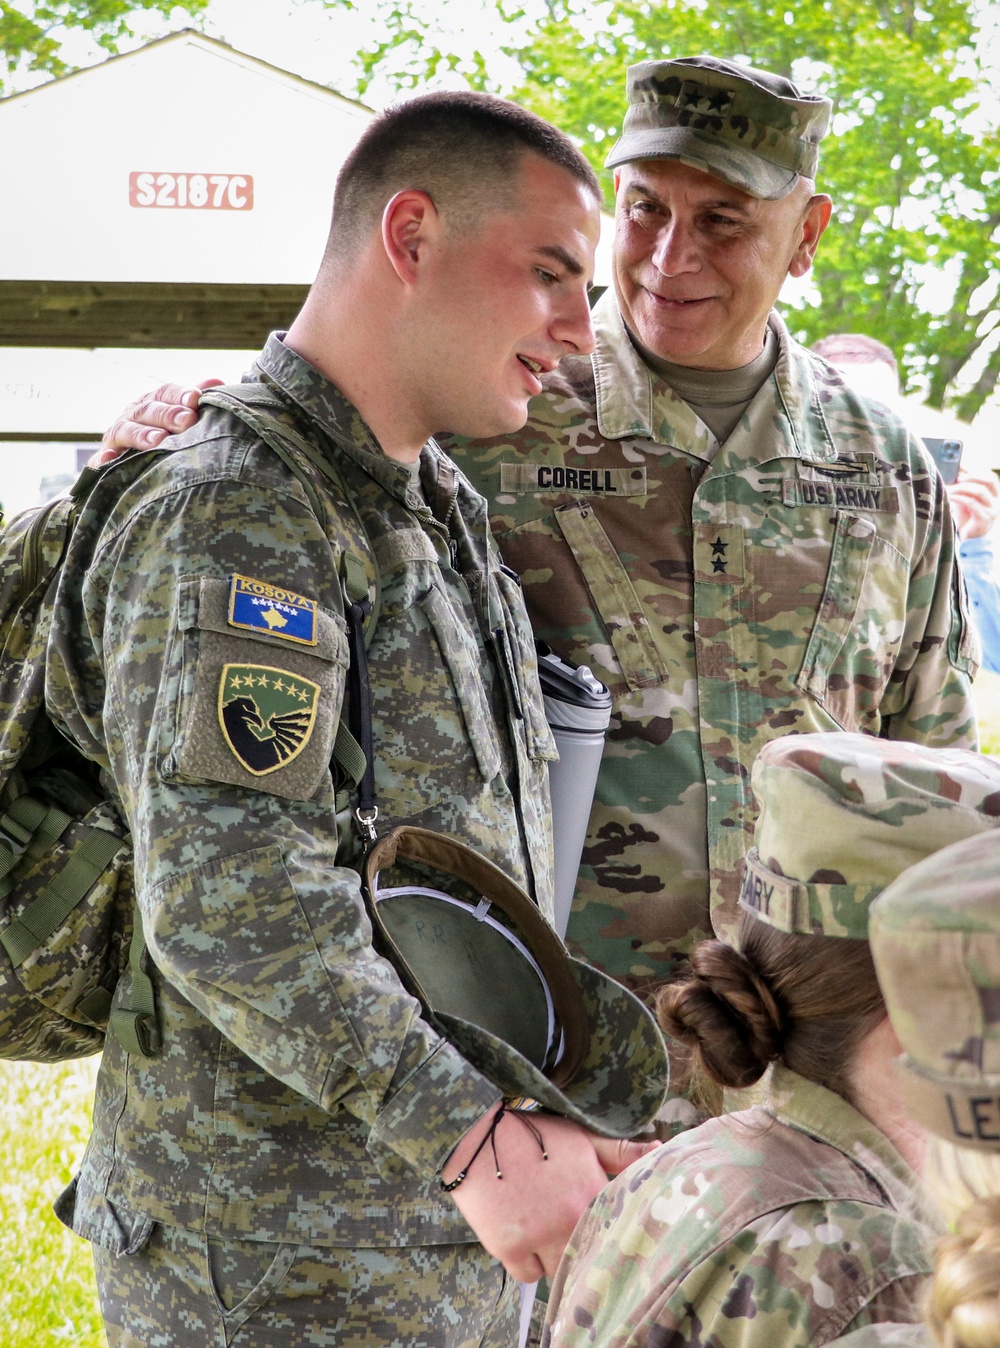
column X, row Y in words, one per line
column 266, row 715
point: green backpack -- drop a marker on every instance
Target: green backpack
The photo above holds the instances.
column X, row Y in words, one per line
column 66, row 901
column 69, row 924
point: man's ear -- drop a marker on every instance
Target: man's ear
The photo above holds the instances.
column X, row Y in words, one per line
column 814, row 222
column 409, row 221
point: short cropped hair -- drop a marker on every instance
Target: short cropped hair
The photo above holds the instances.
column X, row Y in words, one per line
column 461, row 148
column 854, row 348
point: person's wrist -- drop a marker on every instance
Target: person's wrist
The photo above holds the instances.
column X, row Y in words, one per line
column 460, row 1157
column 480, row 1142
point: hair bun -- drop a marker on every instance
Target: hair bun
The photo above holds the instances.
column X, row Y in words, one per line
column 963, row 1304
column 725, row 1013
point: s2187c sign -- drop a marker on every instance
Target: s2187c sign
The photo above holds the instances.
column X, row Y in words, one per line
column 191, row 191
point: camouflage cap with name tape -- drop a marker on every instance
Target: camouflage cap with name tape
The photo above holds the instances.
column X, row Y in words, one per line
column 750, row 128
column 841, row 816
column 935, row 936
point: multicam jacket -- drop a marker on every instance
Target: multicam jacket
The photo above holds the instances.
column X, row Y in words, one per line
column 804, row 579
column 200, row 657
column 783, row 1226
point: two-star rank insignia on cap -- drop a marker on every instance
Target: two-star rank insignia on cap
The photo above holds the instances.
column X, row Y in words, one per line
column 259, row 607
column 266, row 715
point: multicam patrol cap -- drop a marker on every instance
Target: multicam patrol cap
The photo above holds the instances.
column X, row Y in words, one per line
column 935, row 936
column 752, row 129
column 841, row 816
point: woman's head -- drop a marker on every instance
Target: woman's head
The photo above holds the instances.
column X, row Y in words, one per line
column 962, row 1305
column 806, row 1001
column 841, row 816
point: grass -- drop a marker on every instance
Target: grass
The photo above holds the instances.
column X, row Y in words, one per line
column 44, row 1121
column 986, row 691
column 47, row 1294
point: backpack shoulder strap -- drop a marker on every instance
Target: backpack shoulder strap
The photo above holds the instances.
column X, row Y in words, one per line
column 271, row 418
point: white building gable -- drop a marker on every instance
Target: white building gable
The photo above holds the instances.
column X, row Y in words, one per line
column 184, row 161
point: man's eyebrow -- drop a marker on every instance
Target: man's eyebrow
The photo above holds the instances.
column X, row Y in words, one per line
column 572, row 265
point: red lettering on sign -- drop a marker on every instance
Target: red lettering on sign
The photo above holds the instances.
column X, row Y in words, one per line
column 191, row 191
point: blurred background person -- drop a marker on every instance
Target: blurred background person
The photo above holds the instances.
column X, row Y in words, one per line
column 871, row 368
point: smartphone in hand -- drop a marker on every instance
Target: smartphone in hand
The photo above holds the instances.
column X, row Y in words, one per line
column 947, row 454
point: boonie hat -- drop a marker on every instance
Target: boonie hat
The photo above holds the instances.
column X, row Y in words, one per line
column 495, row 979
column 841, row 816
column 748, row 127
column 935, row 937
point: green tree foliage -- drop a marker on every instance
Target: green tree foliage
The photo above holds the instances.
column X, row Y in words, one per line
column 913, row 253
column 31, row 33
column 913, row 165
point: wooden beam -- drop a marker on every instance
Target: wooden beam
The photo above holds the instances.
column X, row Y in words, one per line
column 144, row 314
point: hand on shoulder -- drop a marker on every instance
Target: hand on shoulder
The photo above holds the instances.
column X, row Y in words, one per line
column 148, row 421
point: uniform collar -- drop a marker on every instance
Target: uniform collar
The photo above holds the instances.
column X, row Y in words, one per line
column 323, row 403
column 814, row 1110
column 635, row 400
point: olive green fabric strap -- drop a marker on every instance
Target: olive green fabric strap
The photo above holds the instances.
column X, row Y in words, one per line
column 136, row 1027
column 46, row 913
column 35, row 827
column 253, row 405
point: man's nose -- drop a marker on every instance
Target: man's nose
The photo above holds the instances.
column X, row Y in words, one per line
column 572, row 326
column 674, row 251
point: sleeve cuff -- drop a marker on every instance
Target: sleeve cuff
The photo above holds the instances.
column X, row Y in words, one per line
column 435, row 1107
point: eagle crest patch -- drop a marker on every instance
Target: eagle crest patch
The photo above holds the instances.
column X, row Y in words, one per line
column 266, row 715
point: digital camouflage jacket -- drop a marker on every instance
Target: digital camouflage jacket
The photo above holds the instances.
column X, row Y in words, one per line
column 779, row 1227
column 802, row 579
column 199, row 656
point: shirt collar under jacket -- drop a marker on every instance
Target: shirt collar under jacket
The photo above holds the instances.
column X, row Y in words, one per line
column 324, row 403
column 635, row 400
column 812, row 1109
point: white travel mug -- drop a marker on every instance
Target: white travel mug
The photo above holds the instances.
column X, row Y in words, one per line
column 578, row 708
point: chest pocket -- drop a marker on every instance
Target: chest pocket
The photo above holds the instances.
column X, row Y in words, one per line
column 614, row 596
column 521, row 666
column 433, row 725
column 855, row 640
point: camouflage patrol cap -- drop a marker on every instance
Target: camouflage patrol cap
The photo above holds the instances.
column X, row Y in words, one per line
column 752, row 129
column 841, row 816
column 935, row 936
column 495, row 979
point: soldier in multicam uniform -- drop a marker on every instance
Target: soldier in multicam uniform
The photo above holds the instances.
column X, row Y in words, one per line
column 792, row 1223
column 935, row 936
column 739, row 545
column 706, row 515
column 274, row 1174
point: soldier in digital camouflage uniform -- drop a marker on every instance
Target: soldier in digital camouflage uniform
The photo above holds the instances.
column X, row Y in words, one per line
column 793, row 1223
column 704, row 513
column 271, row 1175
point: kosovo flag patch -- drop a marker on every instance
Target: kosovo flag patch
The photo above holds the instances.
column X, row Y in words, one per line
column 259, row 607
column 266, row 715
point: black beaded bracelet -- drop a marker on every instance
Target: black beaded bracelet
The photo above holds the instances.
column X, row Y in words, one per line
column 518, row 1107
